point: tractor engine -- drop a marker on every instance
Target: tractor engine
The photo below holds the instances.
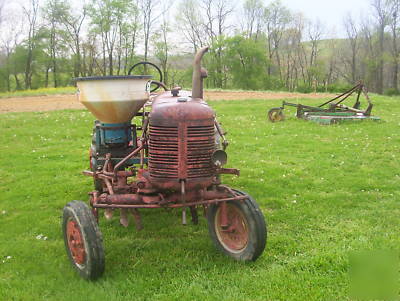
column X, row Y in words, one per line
column 181, row 142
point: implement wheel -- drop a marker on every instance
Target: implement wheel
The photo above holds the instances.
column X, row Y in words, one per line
column 245, row 237
column 83, row 240
column 276, row 115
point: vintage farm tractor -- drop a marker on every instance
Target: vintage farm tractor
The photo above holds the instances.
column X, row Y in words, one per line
column 157, row 151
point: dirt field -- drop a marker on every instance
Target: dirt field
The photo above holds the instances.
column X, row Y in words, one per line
column 60, row 102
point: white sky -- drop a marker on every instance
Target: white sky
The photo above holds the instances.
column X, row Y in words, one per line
column 329, row 12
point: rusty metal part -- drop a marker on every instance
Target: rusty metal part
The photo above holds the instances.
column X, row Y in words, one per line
column 333, row 109
column 75, row 242
column 94, row 195
column 228, row 171
column 123, row 219
column 231, row 227
column 163, row 199
column 223, row 220
column 181, row 143
column 183, row 201
column 199, row 74
column 122, row 162
column 222, row 134
column 173, row 205
column 175, row 91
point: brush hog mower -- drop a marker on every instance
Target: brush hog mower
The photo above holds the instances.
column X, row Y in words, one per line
column 157, row 151
column 332, row 111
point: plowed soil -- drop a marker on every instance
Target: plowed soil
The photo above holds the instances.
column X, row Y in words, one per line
column 60, row 102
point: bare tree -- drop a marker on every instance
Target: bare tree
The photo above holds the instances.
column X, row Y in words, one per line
column 253, row 13
column 352, row 33
column 382, row 13
column 191, row 23
column 108, row 18
column 2, row 2
column 292, row 43
column 315, row 32
column 52, row 12
column 394, row 27
column 162, row 47
column 151, row 10
column 9, row 41
column 31, row 13
column 73, row 19
column 129, row 32
column 277, row 17
column 216, row 26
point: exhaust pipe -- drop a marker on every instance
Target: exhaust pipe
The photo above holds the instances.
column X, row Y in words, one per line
column 198, row 74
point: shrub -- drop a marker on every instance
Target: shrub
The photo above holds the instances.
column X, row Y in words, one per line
column 304, row 89
column 391, row 92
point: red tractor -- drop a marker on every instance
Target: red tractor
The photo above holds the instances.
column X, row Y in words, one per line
column 157, row 151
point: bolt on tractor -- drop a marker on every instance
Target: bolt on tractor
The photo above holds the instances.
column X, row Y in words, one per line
column 163, row 150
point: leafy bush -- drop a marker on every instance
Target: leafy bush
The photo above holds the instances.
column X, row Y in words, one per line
column 391, row 92
column 304, row 89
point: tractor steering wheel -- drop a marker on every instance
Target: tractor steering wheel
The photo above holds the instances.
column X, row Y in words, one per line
column 158, row 83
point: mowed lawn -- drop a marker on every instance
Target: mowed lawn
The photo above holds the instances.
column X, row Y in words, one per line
column 326, row 192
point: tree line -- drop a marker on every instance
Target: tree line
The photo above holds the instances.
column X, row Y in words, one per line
column 255, row 44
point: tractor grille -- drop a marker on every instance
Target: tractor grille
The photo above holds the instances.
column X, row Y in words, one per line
column 200, row 146
column 163, row 152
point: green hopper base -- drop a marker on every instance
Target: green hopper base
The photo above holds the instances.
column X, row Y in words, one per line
column 337, row 117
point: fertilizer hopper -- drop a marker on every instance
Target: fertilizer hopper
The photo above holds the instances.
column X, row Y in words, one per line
column 114, row 99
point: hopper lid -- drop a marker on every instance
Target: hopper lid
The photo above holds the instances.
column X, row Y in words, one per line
column 111, row 77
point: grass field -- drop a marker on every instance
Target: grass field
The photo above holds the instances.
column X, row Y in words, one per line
column 326, row 192
column 39, row 92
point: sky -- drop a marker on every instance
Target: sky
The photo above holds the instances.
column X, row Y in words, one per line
column 329, row 12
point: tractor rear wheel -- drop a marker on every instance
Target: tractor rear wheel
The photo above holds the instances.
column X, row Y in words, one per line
column 83, row 240
column 245, row 237
column 276, row 115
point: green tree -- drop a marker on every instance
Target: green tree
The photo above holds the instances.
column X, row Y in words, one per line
column 246, row 62
column 108, row 18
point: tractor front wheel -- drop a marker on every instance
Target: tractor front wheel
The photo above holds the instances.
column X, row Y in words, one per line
column 276, row 115
column 83, row 240
column 244, row 237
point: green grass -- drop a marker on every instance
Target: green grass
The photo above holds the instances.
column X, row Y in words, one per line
column 39, row 92
column 72, row 90
column 326, row 191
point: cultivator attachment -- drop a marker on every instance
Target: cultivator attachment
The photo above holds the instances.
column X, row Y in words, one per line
column 331, row 111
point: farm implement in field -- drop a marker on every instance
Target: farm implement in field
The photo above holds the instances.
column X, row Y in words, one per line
column 163, row 150
column 331, row 111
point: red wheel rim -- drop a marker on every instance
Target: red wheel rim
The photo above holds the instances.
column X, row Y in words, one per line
column 75, row 242
column 234, row 237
